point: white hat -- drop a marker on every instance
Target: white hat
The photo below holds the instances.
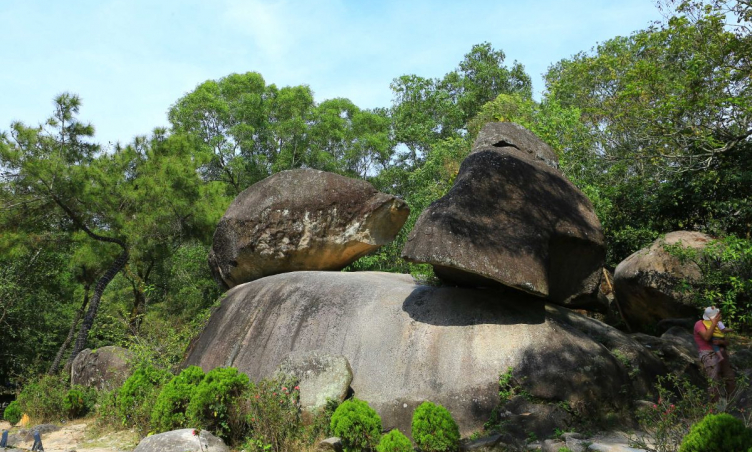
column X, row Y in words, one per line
column 710, row 313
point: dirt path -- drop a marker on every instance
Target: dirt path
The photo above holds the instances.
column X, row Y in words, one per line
column 77, row 436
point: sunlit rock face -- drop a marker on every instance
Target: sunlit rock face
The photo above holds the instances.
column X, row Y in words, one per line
column 302, row 220
column 513, row 219
column 408, row 343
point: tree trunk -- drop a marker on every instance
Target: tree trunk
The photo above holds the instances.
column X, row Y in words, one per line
column 91, row 314
column 139, row 308
column 59, row 357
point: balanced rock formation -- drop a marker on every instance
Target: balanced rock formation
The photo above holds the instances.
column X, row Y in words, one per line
column 302, row 220
column 184, row 440
column 104, row 368
column 648, row 282
column 512, row 218
column 408, row 343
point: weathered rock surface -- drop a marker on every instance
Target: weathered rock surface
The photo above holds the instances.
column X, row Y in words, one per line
column 302, row 220
column 677, row 350
column 104, row 368
column 408, row 343
column 322, row 377
column 513, row 219
column 183, row 440
column 648, row 282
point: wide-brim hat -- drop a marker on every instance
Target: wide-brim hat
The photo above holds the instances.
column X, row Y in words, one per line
column 710, row 313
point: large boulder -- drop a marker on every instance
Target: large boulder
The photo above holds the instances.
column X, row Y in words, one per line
column 512, row 218
column 302, row 220
column 408, row 343
column 184, row 440
column 103, row 368
column 649, row 283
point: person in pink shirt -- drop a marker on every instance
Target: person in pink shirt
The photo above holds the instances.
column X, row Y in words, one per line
column 716, row 363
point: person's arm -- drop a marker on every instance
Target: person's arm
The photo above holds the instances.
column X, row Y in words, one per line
column 708, row 333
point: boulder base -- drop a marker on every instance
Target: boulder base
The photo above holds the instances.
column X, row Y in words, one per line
column 104, row 368
column 408, row 343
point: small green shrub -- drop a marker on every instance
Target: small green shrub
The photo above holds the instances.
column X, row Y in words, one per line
column 108, row 412
column 78, row 401
column 136, row 397
column 717, row 433
column 394, row 441
column 13, row 413
column 43, row 398
column 357, row 424
column 273, row 412
column 169, row 408
column 215, row 403
column 434, row 429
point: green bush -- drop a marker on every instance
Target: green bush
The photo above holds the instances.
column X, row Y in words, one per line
column 13, row 413
column 78, row 401
column 357, row 424
column 136, row 397
column 43, row 398
column 717, row 433
column 169, row 408
column 434, row 429
column 394, row 441
column 214, row 403
column 273, row 412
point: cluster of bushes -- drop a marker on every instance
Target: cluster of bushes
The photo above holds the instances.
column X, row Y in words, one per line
column 263, row 416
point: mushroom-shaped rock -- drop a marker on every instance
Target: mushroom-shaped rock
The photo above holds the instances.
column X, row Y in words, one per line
column 321, row 376
column 184, row 440
column 408, row 343
column 103, row 368
column 302, row 220
column 512, row 218
column 648, row 283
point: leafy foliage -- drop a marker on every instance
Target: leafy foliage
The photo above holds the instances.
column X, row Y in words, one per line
column 394, row 441
column 434, row 429
column 717, row 433
column 169, row 408
column 78, row 401
column 214, row 403
column 43, row 398
column 13, row 412
column 273, row 413
column 357, row 424
column 136, row 397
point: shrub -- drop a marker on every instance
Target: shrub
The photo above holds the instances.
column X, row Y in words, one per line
column 357, row 424
column 136, row 396
column 717, row 433
column 43, row 398
column 169, row 408
column 434, row 429
column 214, row 403
column 273, row 412
column 12, row 413
column 394, row 441
column 78, row 401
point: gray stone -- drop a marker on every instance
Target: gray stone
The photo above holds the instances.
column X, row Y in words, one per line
column 511, row 135
column 677, row 350
column 331, row 444
column 512, row 220
column 184, row 440
column 302, row 220
column 552, row 445
column 648, row 283
column 408, row 343
column 104, row 368
column 321, row 377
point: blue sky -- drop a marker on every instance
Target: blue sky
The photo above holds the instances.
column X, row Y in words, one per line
column 129, row 60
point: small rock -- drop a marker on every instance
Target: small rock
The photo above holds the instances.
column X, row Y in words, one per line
column 333, row 443
column 184, row 440
column 552, row 445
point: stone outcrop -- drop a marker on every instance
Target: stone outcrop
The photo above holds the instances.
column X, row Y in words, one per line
column 321, row 377
column 648, row 282
column 104, row 368
column 408, row 343
column 513, row 219
column 302, row 220
column 184, row 440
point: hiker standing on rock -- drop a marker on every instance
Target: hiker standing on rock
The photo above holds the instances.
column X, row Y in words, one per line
column 715, row 360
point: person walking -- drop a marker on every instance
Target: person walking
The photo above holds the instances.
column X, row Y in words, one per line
column 716, row 363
